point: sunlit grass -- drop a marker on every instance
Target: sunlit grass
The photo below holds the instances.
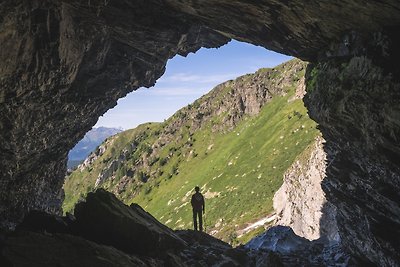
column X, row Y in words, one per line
column 238, row 170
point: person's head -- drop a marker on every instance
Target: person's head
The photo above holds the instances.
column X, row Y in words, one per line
column 197, row 189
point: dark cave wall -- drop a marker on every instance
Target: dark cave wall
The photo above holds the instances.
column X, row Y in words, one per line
column 356, row 103
column 64, row 63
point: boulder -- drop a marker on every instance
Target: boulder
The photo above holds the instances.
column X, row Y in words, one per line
column 104, row 219
column 293, row 250
column 106, row 232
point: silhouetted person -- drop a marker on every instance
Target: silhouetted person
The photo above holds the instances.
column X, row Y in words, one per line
column 198, row 207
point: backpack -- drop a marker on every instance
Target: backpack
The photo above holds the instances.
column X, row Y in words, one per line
column 197, row 201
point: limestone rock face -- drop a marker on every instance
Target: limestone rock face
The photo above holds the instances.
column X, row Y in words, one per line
column 356, row 103
column 300, row 202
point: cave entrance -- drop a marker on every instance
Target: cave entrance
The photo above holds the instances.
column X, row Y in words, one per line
column 185, row 80
column 235, row 142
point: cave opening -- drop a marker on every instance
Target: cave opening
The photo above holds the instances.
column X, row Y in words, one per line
column 185, row 80
column 240, row 67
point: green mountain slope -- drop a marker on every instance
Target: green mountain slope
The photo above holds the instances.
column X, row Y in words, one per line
column 235, row 143
column 90, row 141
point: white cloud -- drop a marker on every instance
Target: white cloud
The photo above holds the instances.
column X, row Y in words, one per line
column 185, row 80
column 187, row 77
column 175, row 91
column 183, row 77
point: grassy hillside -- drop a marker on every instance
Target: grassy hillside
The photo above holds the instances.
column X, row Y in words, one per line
column 237, row 158
column 91, row 140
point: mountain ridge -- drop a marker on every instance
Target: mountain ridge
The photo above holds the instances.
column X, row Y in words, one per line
column 208, row 143
column 88, row 144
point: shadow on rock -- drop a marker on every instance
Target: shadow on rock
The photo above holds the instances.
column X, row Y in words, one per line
column 104, row 219
column 294, row 250
column 106, row 232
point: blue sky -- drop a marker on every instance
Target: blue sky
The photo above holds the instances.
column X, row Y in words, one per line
column 187, row 79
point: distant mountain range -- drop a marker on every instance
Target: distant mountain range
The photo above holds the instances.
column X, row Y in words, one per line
column 88, row 144
column 236, row 143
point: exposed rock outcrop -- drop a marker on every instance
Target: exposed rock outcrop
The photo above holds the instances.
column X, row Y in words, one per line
column 108, row 233
column 298, row 251
column 94, row 155
column 300, row 202
column 122, row 227
column 89, row 143
column 356, row 103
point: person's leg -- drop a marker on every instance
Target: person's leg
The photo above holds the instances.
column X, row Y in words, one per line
column 194, row 220
column 200, row 220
